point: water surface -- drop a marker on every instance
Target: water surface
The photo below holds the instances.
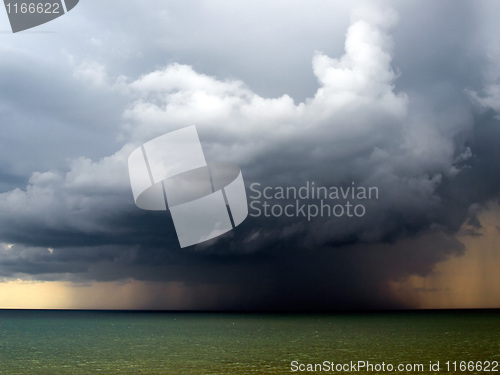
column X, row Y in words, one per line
column 93, row 342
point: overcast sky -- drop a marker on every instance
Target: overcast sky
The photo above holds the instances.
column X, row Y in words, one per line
column 404, row 97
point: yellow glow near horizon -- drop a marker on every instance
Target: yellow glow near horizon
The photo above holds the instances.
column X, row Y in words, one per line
column 468, row 281
column 19, row 294
column 130, row 295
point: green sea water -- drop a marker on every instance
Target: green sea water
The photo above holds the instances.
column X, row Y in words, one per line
column 104, row 342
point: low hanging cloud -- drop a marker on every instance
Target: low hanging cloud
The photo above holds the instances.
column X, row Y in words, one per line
column 356, row 128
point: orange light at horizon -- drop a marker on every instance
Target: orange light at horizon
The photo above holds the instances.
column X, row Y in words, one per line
column 471, row 280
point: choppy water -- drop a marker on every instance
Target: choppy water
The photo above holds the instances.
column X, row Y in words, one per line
column 86, row 342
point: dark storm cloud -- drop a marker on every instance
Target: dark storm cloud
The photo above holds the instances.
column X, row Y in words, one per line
column 280, row 277
column 391, row 111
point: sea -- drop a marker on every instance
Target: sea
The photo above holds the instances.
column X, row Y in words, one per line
column 130, row 342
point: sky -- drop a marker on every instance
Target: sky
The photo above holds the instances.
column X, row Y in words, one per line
column 402, row 97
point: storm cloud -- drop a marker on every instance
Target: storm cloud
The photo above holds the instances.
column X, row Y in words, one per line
column 418, row 123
